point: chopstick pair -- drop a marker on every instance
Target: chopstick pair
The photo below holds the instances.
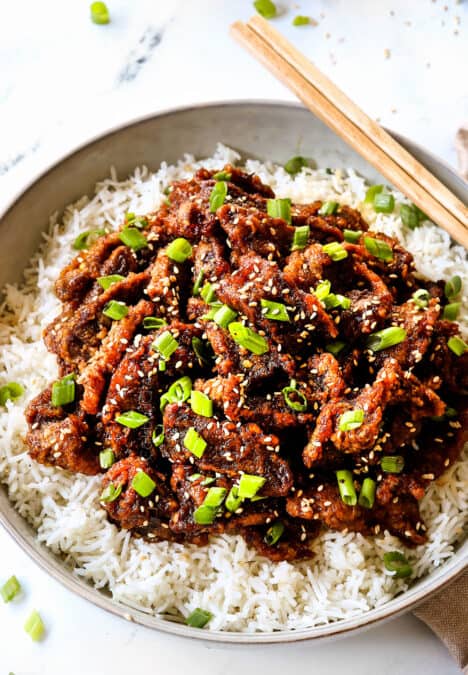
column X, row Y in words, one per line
column 347, row 120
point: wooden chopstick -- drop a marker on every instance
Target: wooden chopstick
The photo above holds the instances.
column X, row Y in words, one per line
column 349, row 122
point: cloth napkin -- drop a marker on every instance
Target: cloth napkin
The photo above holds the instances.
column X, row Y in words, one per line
column 447, row 612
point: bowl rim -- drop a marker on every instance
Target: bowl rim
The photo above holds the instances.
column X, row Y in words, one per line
column 51, row 563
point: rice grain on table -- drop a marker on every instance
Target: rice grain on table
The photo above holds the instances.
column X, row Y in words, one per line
column 244, row 591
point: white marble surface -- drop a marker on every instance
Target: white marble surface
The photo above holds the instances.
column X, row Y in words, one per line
column 63, row 79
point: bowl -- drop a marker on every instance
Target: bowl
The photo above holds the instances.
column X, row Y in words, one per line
column 267, row 130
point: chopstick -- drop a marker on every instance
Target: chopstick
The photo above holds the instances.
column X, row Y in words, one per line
column 334, row 108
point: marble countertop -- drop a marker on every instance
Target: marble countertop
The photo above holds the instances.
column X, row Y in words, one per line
column 64, row 79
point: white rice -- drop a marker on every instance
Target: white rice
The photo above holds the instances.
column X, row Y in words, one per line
column 244, row 591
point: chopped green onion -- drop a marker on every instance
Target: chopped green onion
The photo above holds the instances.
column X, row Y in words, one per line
column 165, row 344
column 279, row 208
column 346, row 487
column 201, row 404
column 34, row 625
column 198, row 618
column 384, row 202
column 110, row 493
column 158, row 436
column 224, row 315
column 378, row 248
column 178, row 392
column 10, row 589
column 335, row 347
column 300, row 20
column 396, row 562
column 106, row 458
column 409, row 215
column 194, row 477
column 383, row 339
column 162, row 365
column 137, row 221
column 453, row 287
column 133, row 238
column 295, row 164
column 143, row 484
column 214, row 306
column 208, row 293
column 63, row 391
column 392, row 463
column 371, row 192
column 249, row 485
column 218, row 195
column 195, row 443
column 107, row 282
column 87, row 239
column 336, row 300
column 323, row 289
column 273, row 534
column 204, row 515
column 222, row 175
column 351, row 419
column 367, row 494
column 421, row 298
column 451, row 311
column 153, row 322
column 294, row 398
column 335, row 251
column 265, row 8
column 352, row 236
column 179, row 250
column 131, row 419
column 274, row 310
column 99, row 13
column 457, row 345
column 115, row 310
column 301, row 237
column 208, row 481
column 328, row 208
column 233, row 501
column 248, row 338
column 200, row 347
column 215, row 497
column 10, row 392
column 198, row 282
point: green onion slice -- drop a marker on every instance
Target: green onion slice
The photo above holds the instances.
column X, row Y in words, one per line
column 409, row 215
column 110, row 493
column 453, row 287
column 218, row 195
column 392, row 463
column 106, row 458
column 248, row 338
column 224, row 316
column 222, row 175
column 335, row 251
column 396, row 562
column 383, row 339
column 265, row 8
column 158, row 436
column 457, row 345
column 334, row 300
column 99, row 13
column 279, row 208
column 346, row 487
column 323, row 289
column 384, row 202
column 301, row 237
column 371, row 192
column 115, row 309
column 301, row 20
column 63, row 391
column 295, row 164
column 198, row 618
column 249, row 485
column 378, row 248
column 153, row 322
column 294, row 398
column 421, row 298
column 204, row 515
column 107, row 282
column 179, row 250
column 133, row 238
column 143, row 484
column 367, row 494
column 328, row 208
column 276, row 311
column 178, row 392
column 351, row 419
column 208, row 293
column 165, row 344
column 87, row 239
column 215, row 497
column 451, row 311
column 233, row 501
column 274, row 533
column 208, row 481
column 335, row 347
column 10, row 589
column 137, row 221
column 195, row 443
column 201, row 404
column 352, row 236
column 34, row 626
column 132, row 419
column 198, row 283
column 10, row 392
